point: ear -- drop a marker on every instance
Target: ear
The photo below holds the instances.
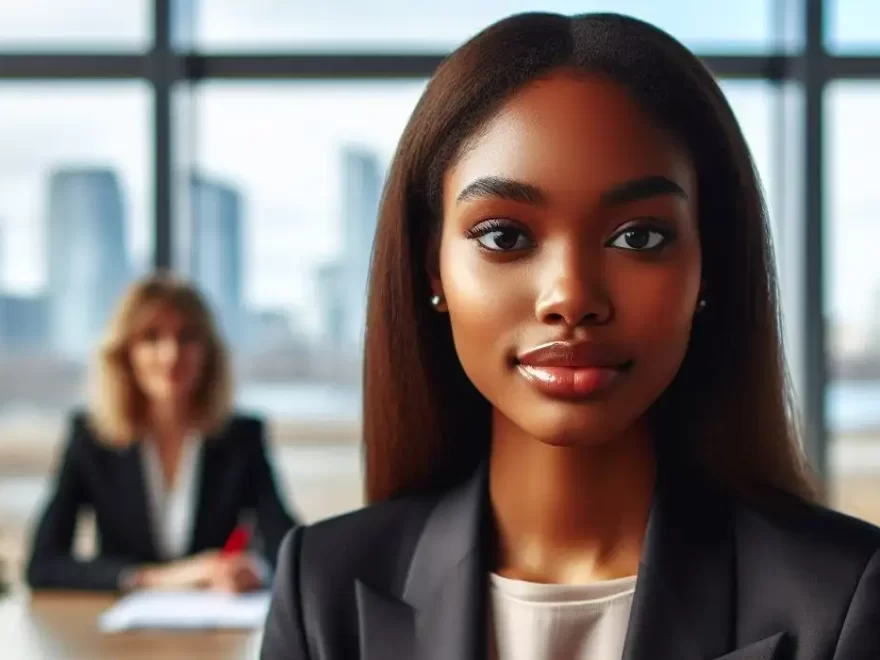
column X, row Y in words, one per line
column 438, row 300
column 433, row 269
column 701, row 297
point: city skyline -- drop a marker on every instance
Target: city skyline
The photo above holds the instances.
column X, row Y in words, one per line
column 89, row 262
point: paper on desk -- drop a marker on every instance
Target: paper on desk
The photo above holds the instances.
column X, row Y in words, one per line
column 190, row 610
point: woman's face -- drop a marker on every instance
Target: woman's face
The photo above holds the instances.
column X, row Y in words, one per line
column 167, row 358
column 569, row 260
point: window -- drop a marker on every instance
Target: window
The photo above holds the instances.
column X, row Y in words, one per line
column 852, row 26
column 85, row 25
column 853, row 296
column 285, row 189
column 75, row 208
column 400, row 25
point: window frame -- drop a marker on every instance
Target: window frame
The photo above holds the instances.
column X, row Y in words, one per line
column 167, row 68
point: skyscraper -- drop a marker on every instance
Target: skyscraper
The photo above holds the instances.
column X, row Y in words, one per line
column 87, row 259
column 216, row 251
column 23, row 322
column 330, row 286
column 361, row 192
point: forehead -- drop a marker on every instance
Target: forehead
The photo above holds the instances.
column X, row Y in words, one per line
column 571, row 135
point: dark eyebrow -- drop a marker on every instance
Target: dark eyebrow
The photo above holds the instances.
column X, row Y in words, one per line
column 644, row 188
column 519, row 191
column 501, row 188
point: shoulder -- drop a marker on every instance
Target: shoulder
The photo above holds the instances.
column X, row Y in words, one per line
column 825, row 552
column 373, row 544
column 379, row 531
column 241, row 430
column 242, row 423
column 788, row 520
column 79, row 421
column 80, row 432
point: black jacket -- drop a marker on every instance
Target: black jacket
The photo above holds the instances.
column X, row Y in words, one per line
column 234, row 477
column 719, row 580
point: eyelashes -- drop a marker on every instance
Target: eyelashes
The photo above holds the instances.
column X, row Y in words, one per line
column 506, row 236
column 643, row 237
column 500, row 236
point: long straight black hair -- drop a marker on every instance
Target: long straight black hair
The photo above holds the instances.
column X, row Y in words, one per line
column 729, row 407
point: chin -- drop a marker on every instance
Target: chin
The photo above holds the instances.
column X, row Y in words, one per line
column 169, row 394
column 568, row 425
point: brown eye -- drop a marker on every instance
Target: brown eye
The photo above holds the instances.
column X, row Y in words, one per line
column 500, row 236
column 504, row 240
column 641, row 239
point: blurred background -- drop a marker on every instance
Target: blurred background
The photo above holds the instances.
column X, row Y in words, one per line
column 244, row 143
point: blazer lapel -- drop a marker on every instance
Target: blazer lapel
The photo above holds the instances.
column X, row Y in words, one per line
column 209, row 478
column 441, row 612
column 135, row 501
column 766, row 649
column 387, row 625
column 683, row 604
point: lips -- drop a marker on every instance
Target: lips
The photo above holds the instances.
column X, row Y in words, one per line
column 572, row 369
column 583, row 355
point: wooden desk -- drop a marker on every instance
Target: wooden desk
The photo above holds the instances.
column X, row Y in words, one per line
column 63, row 626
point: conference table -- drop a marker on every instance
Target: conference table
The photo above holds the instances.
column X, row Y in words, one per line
column 63, row 626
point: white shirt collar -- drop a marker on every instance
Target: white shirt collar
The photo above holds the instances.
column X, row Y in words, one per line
column 172, row 511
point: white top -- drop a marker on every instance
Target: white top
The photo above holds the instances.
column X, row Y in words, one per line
column 172, row 510
column 535, row 621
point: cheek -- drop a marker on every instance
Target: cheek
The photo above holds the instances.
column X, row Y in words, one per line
column 142, row 358
column 655, row 307
column 194, row 359
column 486, row 303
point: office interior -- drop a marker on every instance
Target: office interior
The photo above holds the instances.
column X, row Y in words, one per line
column 244, row 145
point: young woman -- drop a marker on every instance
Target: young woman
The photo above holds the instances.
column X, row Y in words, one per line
column 578, row 434
column 162, row 461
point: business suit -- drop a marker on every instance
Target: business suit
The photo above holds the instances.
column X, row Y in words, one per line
column 233, row 475
column 719, row 580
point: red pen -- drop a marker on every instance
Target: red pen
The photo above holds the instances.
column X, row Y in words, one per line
column 237, row 541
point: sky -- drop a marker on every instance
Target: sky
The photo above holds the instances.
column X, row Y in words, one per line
column 280, row 142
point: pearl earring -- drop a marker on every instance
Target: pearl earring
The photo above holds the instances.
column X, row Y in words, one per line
column 702, row 304
column 437, row 300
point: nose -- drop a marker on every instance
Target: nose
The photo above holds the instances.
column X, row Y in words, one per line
column 574, row 293
column 169, row 350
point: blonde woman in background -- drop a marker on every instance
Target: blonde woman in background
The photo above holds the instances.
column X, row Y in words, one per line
column 162, row 460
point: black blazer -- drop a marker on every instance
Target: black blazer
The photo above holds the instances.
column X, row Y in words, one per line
column 234, row 476
column 719, row 580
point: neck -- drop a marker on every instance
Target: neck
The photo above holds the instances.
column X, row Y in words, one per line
column 570, row 514
column 168, row 420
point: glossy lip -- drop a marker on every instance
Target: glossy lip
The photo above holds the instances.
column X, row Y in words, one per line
column 571, row 370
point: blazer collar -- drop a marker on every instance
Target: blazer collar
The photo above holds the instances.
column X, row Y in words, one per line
column 683, row 606
column 441, row 613
column 136, row 503
column 210, row 475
